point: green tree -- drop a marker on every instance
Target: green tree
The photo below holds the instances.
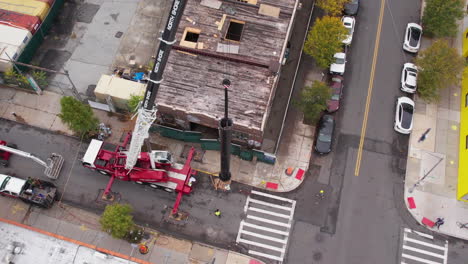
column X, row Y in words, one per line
column 324, row 40
column 117, row 221
column 313, row 100
column 133, row 102
column 332, row 7
column 78, row 116
column 439, row 66
column 440, row 17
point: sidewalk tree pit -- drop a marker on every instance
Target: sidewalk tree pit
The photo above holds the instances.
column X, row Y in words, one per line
column 313, row 100
column 440, row 17
column 440, row 66
column 118, row 222
column 332, row 7
column 324, row 40
column 78, row 116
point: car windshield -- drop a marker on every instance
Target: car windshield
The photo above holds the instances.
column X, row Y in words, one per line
column 339, row 61
column 324, row 137
column 415, row 35
column 407, row 118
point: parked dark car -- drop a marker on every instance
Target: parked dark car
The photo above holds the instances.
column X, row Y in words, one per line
column 324, row 135
column 351, row 8
column 336, row 85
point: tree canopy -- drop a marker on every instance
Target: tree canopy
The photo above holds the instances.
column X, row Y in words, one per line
column 440, row 17
column 439, row 66
column 78, row 116
column 324, row 40
column 133, row 102
column 313, row 100
column 117, row 221
column 332, row 7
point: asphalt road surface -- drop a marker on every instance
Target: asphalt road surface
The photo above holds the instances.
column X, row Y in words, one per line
column 363, row 217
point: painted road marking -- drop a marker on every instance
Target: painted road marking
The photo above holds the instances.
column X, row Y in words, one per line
column 418, row 247
column 369, row 89
column 267, row 225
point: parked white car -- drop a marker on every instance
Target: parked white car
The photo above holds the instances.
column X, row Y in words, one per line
column 412, row 39
column 409, row 78
column 348, row 23
column 404, row 115
column 338, row 67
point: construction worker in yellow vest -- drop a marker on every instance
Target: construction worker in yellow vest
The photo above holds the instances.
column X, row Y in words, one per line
column 218, row 213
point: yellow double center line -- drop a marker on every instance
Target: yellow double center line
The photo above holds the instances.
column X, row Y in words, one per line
column 369, row 89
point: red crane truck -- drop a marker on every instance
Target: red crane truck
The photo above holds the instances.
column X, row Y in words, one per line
column 154, row 168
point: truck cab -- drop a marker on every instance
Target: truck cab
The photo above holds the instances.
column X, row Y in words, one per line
column 33, row 191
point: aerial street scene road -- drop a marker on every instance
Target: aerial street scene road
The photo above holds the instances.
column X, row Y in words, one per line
column 234, row 131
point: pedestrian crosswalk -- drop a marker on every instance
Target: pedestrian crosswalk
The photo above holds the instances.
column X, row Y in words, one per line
column 265, row 229
column 419, row 248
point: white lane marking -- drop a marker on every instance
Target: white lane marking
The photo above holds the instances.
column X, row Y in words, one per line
column 419, row 259
column 272, row 196
column 269, row 212
column 407, row 230
column 282, row 241
column 261, row 245
column 424, row 252
column 253, row 252
column 268, row 221
column 406, row 238
column 265, row 229
column 269, row 204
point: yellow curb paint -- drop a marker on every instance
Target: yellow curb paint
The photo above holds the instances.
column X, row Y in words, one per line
column 17, row 208
column 369, row 89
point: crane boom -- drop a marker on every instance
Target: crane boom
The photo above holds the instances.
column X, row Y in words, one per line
column 148, row 109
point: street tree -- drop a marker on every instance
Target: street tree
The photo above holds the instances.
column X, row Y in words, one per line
column 332, row 7
column 313, row 100
column 440, row 66
column 133, row 102
column 440, row 17
column 324, row 40
column 78, row 116
column 117, row 221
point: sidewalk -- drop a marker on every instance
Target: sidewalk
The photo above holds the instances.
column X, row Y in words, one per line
column 295, row 150
column 437, row 158
column 79, row 227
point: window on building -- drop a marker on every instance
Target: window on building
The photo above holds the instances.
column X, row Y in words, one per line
column 192, row 36
column 466, row 142
column 235, row 30
column 466, row 99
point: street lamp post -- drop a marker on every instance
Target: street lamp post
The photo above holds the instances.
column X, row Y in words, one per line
column 425, row 175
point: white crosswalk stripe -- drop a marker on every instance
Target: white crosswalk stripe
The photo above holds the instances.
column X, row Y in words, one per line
column 420, row 248
column 265, row 229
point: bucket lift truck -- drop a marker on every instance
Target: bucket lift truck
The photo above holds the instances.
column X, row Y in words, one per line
column 128, row 163
column 53, row 166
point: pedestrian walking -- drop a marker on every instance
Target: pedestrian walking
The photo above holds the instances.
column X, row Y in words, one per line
column 439, row 222
column 424, row 135
column 218, row 213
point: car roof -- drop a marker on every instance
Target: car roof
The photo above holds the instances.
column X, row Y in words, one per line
column 13, row 184
column 348, row 19
column 340, row 55
column 410, row 79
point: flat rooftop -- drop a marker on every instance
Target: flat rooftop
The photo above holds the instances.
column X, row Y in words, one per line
column 226, row 39
column 38, row 248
